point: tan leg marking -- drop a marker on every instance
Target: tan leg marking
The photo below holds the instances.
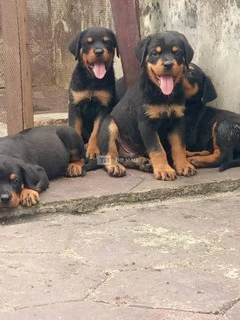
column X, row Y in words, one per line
column 197, row 153
column 182, row 166
column 92, row 148
column 113, row 168
column 203, row 161
column 78, row 126
column 161, row 168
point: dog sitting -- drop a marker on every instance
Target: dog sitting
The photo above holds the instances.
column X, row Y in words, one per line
column 212, row 135
column 150, row 116
column 30, row 158
column 92, row 87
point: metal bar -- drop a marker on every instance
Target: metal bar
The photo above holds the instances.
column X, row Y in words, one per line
column 127, row 30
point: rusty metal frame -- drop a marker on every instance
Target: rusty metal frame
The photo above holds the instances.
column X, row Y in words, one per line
column 127, row 26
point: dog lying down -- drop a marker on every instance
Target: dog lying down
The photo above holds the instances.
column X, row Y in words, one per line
column 29, row 159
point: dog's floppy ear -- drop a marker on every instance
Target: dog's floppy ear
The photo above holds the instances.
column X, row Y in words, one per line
column 34, row 177
column 141, row 49
column 75, row 45
column 209, row 92
column 188, row 53
column 188, row 50
column 115, row 43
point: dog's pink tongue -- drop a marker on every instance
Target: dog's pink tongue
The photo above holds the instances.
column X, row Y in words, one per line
column 99, row 70
column 166, row 84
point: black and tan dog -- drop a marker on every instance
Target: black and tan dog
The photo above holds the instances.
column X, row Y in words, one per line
column 150, row 116
column 30, row 158
column 212, row 135
column 92, row 87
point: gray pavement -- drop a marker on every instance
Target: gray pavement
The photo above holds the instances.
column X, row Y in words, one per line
column 170, row 260
column 146, row 250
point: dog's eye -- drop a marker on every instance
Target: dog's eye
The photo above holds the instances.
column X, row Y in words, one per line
column 155, row 53
column 107, row 41
column 178, row 53
column 190, row 71
column 15, row 180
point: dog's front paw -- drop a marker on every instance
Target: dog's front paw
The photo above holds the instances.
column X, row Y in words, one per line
column 144, row 164
column 116, row 170
column 185, row 169
column 29, row 197
column 75, row 169
column 92, row 152
column 164, row 173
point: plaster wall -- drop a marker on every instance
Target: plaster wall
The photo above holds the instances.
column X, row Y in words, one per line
column 213, row 30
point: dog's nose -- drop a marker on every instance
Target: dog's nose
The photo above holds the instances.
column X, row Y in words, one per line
column 98, row 52
column 6, row 197
column 167, row 65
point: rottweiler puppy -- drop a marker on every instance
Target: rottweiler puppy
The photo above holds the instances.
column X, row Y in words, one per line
column 29, row 159
column 212, row 135
column 150, row 116
column 92, row 87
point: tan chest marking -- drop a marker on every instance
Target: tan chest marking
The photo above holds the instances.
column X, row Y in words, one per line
column 103, row 96
column 160, row 111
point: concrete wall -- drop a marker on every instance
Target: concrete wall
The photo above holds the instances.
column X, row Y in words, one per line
column 213, row 29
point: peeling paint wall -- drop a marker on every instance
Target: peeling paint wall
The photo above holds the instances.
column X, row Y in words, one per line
column 213, row 29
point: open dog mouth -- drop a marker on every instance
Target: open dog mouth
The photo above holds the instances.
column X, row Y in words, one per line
column 98, row 68
column 166, row 83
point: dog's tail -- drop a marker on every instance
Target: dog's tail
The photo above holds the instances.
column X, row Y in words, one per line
column 230, row 164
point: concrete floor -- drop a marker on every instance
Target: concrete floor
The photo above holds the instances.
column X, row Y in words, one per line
column 97, row 189
column 176, row 259
column 125, row 248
